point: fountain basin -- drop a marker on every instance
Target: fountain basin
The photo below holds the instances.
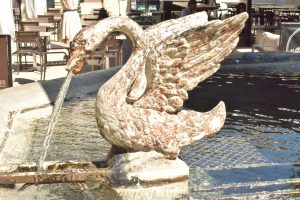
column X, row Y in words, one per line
column 37, row 95
column 237, row 162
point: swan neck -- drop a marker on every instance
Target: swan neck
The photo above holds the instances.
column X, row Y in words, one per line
column 125, row 25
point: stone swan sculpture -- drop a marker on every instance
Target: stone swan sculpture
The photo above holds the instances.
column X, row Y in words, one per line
column 140, row 107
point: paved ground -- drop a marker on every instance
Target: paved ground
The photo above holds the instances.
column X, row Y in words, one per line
column 29, row 76
column 54, row 72
column 24, row 77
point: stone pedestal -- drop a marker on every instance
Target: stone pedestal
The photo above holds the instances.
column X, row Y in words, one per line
column 145, row 175
column 163, row 191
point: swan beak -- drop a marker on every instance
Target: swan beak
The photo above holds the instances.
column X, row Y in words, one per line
column 76, row 61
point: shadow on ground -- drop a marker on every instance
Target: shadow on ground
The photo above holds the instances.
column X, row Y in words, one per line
column 22, row 81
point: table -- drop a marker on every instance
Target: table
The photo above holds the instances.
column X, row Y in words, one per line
column 111, row 47
column 267, row 12
column 291, row 15
column 90, row 17
column 35, row 25
column 200, row 6
column 89, row 22
column 54, row 9
column 53, row 18
column 44, row 36
column 36, row 21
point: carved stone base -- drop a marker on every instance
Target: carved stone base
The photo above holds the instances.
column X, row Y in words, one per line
column 166, row 191
column 144, row 176
column 144, row 168
column 140, row 175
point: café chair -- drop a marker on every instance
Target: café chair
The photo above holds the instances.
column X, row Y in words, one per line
column 17, row 17
column 35, row 28
column 46, row 18
column 27, row 23
column 39, row 29
column 51, row 48
column 54, row 10
column 29, row 43
column 49, row 19
column 111, row 48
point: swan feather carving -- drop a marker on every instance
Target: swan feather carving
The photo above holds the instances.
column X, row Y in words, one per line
column 140, row 107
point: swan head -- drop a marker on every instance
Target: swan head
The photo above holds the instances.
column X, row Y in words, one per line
column 90, row 37
column 76, row 61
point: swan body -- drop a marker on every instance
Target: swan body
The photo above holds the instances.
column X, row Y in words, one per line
column 140, row 107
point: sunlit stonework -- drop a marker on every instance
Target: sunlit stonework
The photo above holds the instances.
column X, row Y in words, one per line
column 141, row 107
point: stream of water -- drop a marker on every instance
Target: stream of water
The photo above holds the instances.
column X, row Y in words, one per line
column 53, row 118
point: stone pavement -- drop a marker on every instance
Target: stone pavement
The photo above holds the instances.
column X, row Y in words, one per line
column 24, row 77
column 241, row 56
column 53, row 72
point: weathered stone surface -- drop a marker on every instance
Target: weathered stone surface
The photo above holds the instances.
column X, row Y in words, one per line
column 167, row 191
column 142, row 168
column 139, row 168
column 140, row 108
column 54, row 172
column 19, row 99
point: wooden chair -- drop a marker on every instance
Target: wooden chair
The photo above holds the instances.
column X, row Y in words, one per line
column 51, row 48
column 175, row 14
column 17, row 17
column 39, row 29
column 88, row 19
column 50, row 19
column 35, row 28
column 46, row 18
column 114, row 49
column 27, row 23
column 54, row 10
column 29, row 44
column 111, row 48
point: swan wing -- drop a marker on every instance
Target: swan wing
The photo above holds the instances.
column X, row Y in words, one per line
column 183, row 53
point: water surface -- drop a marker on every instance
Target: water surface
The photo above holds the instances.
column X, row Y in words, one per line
column 256, row 154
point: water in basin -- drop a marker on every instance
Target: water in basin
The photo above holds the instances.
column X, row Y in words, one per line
column 256, row 154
